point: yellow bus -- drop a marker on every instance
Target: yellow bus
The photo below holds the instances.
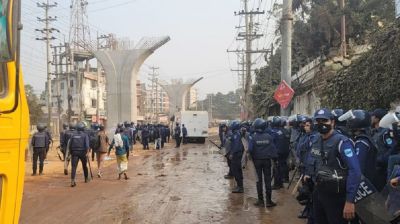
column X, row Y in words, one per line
column 14, row 113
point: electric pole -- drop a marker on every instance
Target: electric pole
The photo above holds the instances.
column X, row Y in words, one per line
column 286, row 65
column 46, row 32
column 249, row 35
column 343, row 46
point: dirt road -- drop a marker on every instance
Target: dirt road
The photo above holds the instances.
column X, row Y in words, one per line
column 183, row 185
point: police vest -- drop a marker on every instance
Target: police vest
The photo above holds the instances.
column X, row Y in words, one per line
column 39, row 140
column 78, row 142
column 331, row 171
column 263, row 146
column 327, row 152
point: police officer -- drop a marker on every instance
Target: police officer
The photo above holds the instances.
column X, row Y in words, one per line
column 92, row 133
column 359, row 124
column 281, row 140
column 340, row 126
column 63, row 145
column 235, row 154
column 145, row 137
column 79, row 146
column 49, row 141
column 385, row 144
column 177, row 135
column 66, row 138
column 39, row 143
column 334, row 167
column 184, row 134
column 304, row 145
column 262, row 150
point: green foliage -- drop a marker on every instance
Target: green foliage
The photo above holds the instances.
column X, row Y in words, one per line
column 373, row 80
column 225, row 106
column 316, row 31
column 35, row 109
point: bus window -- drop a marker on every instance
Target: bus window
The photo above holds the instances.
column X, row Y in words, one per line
column 5, row 53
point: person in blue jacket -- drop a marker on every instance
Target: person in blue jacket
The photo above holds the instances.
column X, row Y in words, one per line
column 262, row 150
column 235, row 154
column 332, row 152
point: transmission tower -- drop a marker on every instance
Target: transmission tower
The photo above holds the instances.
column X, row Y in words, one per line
column 79, row 32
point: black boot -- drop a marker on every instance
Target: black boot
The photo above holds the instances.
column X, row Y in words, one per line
column 73, row 184
column 87, row 179
column 269, row 203
column 228, row 176
column 65, row 172
column 238, row 190
column 260, row 203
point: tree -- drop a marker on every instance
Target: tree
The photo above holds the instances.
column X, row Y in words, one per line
column 35, row 109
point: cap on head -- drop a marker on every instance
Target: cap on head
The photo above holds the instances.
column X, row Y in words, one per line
column 379, row 113
column 323, row 113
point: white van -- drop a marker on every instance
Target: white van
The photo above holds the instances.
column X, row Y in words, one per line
column 196, row 123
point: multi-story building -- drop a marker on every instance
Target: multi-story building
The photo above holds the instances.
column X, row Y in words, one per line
column 83, row 98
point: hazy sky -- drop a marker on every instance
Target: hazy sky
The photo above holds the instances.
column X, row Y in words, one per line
column 200, row 31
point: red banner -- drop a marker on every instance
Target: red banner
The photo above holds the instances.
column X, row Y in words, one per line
column 284, row 94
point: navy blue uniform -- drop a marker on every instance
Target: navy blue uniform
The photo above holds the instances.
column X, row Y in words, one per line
column 145, row 138
column 262, row 149
column 366, row 153
column 281, row 140
column 340, row 155
column 386, row 146
column 79, row 146
column 184, row 134
column 40, row 142
column 177, row 135
column 236, row 150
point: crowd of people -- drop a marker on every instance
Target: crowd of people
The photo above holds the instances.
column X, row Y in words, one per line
column 78, row 142
column 340, row 159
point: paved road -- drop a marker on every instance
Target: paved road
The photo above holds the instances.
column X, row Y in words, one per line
column 183, row 185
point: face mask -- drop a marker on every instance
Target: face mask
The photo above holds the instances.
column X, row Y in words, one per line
column 324, row 128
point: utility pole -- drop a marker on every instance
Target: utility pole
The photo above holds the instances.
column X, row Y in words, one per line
column 248, row 36
column 287, row 29
column 47, row 31
column 69, row 64
column 343, row 46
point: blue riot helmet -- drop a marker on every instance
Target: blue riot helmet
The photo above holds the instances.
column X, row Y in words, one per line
column 234, row 125
column 72, row 126
column 127, row 124
column 80, row 126
column 259, row 125
column 41, row 127
column 120, row 125
column 360, row 119
column 337, row 113
column 276, row 122
column 284, row 121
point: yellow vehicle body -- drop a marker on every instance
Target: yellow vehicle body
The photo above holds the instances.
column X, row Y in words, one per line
column 14, row 125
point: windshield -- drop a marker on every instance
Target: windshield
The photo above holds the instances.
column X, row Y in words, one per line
column 4, row 43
